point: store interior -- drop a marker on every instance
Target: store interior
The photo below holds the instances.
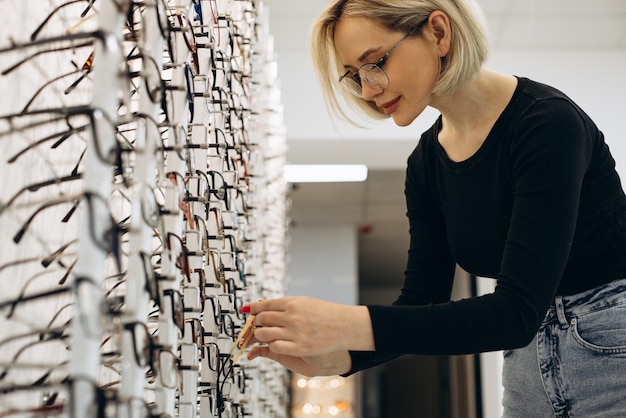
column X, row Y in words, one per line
column 341, row 241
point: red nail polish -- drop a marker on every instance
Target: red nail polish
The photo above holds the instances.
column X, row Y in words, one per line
column 245, row 309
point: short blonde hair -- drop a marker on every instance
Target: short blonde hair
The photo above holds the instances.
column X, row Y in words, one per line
column 468, row 52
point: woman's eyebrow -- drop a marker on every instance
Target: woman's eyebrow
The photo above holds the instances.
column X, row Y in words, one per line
column 364, row 55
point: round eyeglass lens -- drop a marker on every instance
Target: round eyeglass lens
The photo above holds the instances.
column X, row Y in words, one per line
column 370, row 74
column 374, row 76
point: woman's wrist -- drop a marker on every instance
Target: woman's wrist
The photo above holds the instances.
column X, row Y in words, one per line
column 357, row 332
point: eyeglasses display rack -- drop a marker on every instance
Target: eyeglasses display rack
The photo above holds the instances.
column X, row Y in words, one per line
column 142, row 148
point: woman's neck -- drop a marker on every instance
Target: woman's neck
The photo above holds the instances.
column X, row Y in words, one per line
column 487, row 94
column 470, row 112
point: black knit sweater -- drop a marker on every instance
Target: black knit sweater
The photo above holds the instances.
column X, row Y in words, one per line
column 539, row 207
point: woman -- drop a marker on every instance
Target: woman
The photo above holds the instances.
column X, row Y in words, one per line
column 513, row 182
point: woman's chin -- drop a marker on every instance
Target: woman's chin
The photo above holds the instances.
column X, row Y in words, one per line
column 402, row 120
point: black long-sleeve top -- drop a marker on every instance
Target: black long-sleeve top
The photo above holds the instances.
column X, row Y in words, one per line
column 539, row 207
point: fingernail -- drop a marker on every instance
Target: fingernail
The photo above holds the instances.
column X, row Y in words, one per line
column 245, row 309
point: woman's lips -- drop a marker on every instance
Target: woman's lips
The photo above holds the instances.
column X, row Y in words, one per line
column 390, row 106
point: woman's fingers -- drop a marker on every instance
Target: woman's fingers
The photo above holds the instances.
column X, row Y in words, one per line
column 304, row 326
column 268, row 334
column 281, row 340
column 296, row 325
column 292, row 363
column 265, row 328
column 255, row 308
column 271, row 319
column 327, row 365
column 286, row 341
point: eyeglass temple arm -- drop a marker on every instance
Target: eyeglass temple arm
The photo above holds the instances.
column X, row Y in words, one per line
column 244, row 337
column 39, row 28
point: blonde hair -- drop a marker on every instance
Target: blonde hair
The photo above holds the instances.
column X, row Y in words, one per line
column 468, row 52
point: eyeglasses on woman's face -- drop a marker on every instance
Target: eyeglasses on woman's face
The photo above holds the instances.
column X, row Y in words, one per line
column 372, row 73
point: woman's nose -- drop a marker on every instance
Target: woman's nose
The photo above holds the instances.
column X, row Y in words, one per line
column 369, row 91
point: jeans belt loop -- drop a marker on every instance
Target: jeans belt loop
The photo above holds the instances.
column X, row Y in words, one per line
column 560, row 311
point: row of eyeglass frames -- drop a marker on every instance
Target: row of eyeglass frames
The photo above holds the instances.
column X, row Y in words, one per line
column 141, row 150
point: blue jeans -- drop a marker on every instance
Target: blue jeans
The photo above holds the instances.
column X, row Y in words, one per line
column 576, row 365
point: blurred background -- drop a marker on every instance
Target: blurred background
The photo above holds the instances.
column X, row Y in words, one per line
column 349, row 240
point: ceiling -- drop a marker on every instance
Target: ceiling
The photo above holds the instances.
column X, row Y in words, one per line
column 376, row 206
column 533, row 24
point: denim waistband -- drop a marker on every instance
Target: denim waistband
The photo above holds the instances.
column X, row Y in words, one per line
column 566, row 307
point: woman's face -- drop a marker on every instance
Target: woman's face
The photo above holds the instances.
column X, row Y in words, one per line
column 412, row 68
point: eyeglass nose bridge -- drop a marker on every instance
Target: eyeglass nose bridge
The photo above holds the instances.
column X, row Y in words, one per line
column 372, row 78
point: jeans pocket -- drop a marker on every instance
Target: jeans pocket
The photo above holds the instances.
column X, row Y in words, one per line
column 602, row 331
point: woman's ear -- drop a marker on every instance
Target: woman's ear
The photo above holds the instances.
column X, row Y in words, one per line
column 439, row 25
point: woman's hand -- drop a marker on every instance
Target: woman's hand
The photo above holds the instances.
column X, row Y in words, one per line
column 331, row 364
column 308, row 329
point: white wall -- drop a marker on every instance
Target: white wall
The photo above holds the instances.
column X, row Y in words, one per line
column 323, row 263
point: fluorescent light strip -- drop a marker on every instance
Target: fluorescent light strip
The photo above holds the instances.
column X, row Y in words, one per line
column 325, row 173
